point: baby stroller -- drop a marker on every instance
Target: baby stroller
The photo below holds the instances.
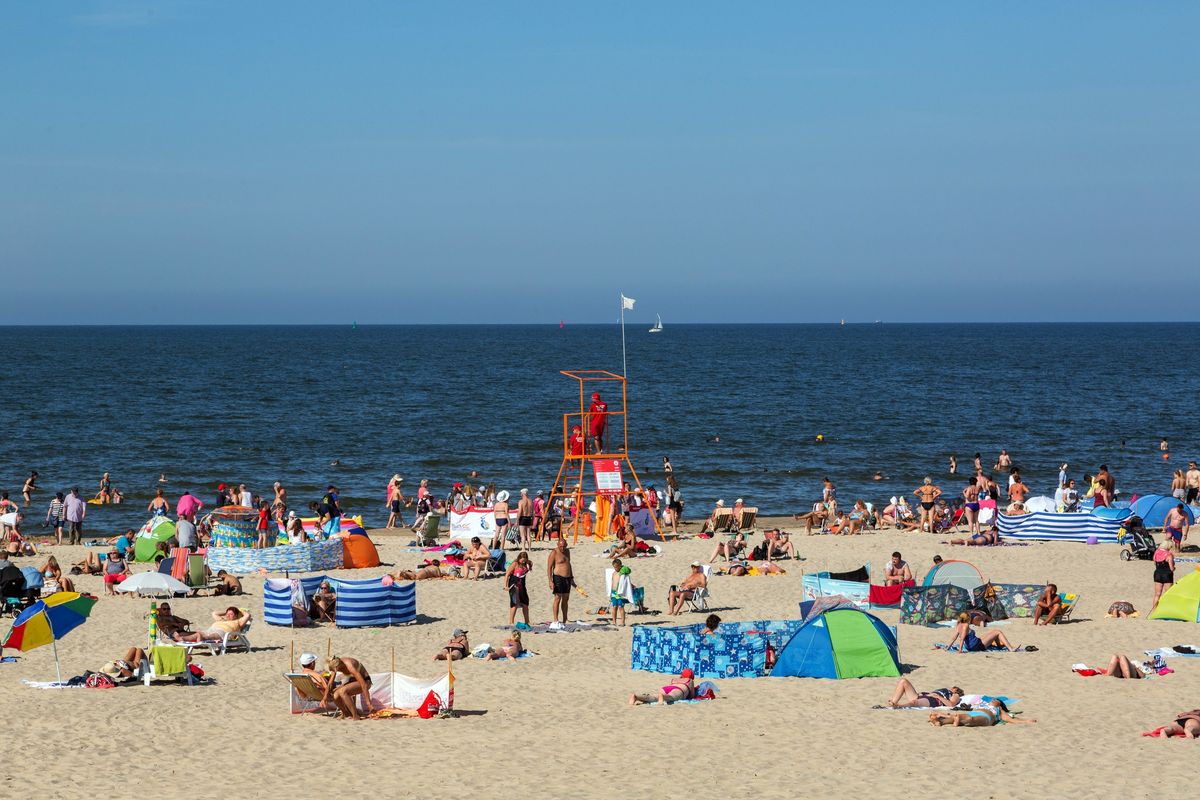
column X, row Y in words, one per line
column 1138, row 542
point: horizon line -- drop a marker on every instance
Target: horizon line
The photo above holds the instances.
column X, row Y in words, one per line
column 354, row 324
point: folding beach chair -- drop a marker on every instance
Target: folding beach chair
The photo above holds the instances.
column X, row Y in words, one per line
column 1069, row 601
column 745, row 523
column 429, row 531
column 699, row 599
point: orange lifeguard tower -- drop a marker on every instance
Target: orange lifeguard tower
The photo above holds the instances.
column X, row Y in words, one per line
column 605, row 453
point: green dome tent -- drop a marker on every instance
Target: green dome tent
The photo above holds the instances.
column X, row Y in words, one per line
column 1181, row 601
column 158, row 529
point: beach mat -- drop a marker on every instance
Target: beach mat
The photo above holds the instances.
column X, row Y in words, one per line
column 570, row 627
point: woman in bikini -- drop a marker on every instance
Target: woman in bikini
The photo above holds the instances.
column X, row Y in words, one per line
column 906, row 696
column 52, row 572
column 971, row 642
column 971, row 496
column 456, row 649
column 682, row 688
column 512, row 648
column 1186, row 724
column 927, row 494
column 500, row 509
column 994, row 713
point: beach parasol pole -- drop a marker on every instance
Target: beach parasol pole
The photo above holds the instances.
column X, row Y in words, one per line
column 57, row 668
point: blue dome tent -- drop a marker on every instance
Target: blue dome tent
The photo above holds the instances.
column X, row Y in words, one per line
column 840, row 643
column 1153, row 508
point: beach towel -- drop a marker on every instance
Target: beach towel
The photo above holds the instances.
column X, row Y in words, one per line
column 1157, row 732
column 570, row 627
column 1176, row 651
column 996, row 648
column 887, row 595
column 168, row 659
column 52, row 685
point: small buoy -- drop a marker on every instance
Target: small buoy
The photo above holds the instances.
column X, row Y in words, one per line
column 820, row 437
column 1166, row 456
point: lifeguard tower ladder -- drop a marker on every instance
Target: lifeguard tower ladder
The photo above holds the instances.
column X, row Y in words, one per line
column 572, row 483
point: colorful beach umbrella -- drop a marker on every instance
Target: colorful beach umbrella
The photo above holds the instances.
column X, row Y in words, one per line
column 47, row 621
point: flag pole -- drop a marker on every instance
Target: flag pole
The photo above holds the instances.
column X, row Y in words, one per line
column 624, row 370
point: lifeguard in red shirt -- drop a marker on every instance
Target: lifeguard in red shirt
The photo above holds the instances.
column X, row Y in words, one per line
column 576, row 441
column 598, row 416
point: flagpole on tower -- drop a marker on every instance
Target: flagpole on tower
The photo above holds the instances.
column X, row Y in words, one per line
column 626, row 302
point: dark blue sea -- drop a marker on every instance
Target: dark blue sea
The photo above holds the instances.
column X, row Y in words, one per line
column 259, row 404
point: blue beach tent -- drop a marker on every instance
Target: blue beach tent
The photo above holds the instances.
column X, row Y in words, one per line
column 840, row 643
column 1153, row 509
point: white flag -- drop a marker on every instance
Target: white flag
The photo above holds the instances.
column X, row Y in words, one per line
column 627, row 303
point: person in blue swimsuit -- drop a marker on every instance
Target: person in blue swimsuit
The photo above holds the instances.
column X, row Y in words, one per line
column 995, row 712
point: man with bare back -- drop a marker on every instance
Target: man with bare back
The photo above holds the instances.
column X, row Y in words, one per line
column 562, row 578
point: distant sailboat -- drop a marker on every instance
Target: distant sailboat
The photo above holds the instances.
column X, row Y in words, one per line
column 561, row 325
column 843, row 323
column 657, row 325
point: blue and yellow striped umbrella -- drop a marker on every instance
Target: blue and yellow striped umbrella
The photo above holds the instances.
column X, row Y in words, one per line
column 47, row 621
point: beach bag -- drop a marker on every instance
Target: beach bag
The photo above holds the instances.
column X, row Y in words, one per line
column 991, row 604
column 98, row 680
column 759, row 553
column 431, row 706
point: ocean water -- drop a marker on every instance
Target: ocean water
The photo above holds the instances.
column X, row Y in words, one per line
column 259, row 404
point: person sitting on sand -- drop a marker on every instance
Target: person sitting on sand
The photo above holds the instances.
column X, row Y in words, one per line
column 169, row 625
column 970, row 642
column 431, row 571
column 857, row 520
column 779, row 542
column 475, row 560
column 231, row 620
column 982, row 539
column 54, row 577
column 128, row 667
column 228, row 585
column 682, row 688
column 1119, row 666
column 357, row 684
column 1049, row 605
column 906, row 696
column 897, row 571
column 1186, row 725
column 456, row 649
column 711, row 623
column 730, row 547
column 686, row 589
column 626, row 546
column 324, row 604
column 985, row 716
column 512, row 648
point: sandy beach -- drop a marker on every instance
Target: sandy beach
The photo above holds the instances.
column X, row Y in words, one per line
column 557, row 724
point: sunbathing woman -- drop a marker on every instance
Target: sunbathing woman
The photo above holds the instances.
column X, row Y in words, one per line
column 231, row 620
column 981, row 539
column 475, row 560
column 906, row 696
column 512, row 648
column 1186, row 724
column 430, row 571
column 971, row 642
column 456, row 649
column 626, row 546
column 994, row 713
column 682, row 688
column 127, row 667
column 1119, row 666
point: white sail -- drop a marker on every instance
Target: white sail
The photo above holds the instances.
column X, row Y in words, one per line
column 657, row 325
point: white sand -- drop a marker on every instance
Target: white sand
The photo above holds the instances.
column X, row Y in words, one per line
column 557, row 725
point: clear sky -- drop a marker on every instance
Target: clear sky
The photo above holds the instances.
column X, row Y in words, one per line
column 518, row 161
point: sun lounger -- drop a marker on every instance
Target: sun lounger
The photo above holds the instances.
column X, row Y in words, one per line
column 228, row 641
column 148, row 672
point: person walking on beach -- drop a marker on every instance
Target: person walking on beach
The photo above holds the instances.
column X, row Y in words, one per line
column 1017, row 492
column 1164, row 570
column 56, row 514
column 562, row 578
column 500, row 512
column 514, row 584
column 971, row 496
column 1175, row 526
column 75, row 512
column 927, row 494
column 395, row 502
column 1192, row 482
column 29, row 488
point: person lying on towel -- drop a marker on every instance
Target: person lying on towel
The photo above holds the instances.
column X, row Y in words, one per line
column 906, row 696
column 985, row 716
column 682, row 688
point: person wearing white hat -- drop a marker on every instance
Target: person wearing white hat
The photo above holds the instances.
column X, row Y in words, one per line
column 500, row 509
column 714, row 519
column 308, row 666
column 525, row 520
column 295, row 529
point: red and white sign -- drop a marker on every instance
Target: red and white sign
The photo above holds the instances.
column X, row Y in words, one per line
column 608, row 476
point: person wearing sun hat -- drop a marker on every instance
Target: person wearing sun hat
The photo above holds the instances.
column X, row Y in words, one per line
column 500, row 509
column 681, row 688
column 308, row 666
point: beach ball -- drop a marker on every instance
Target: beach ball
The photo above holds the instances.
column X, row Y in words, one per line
column 1093, row 540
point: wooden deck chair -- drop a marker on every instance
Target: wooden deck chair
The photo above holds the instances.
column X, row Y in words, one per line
column 745, row 524
column 1069, row 601
column 721, row 521
column 305, row 686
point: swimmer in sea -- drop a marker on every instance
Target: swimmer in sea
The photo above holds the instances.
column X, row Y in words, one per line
column 162, row 477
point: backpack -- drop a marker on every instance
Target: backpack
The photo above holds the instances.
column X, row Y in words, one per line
column 759, row 553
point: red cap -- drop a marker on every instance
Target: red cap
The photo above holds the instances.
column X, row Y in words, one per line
column 595, row 395
column 687, row 673
column 221, row 487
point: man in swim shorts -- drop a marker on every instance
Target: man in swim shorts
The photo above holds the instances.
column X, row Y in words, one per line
column 561, row 578
column 1175, row 525
column 1192, row 482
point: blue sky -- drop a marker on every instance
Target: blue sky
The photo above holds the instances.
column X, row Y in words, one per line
column 492, row 162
